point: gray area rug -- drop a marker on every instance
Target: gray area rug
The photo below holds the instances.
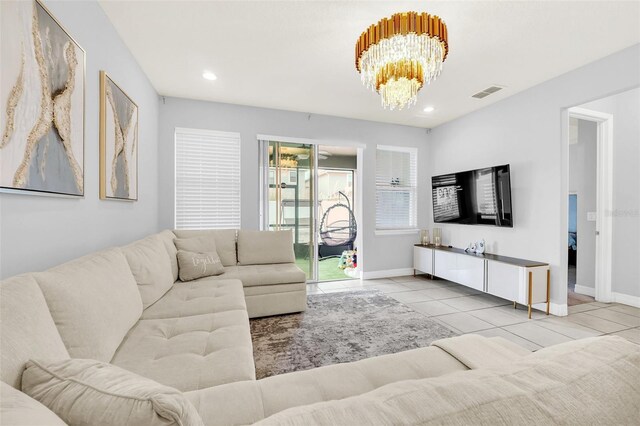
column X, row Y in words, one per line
column 339, row 327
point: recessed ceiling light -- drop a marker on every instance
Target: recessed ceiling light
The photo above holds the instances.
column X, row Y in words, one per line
column 429, row 109
column 208, row 75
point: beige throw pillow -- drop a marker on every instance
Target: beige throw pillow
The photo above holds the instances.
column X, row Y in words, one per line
column 194, row 265
column 196, row 244
column 225, row 241
column 265, row 247
column 88, row 392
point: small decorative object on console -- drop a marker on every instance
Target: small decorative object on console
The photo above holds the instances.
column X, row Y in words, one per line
column 437, row 236
column 480, row 246
column 471, row 248
column 424, row 237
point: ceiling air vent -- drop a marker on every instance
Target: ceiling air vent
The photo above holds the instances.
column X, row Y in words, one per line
column 486, row 92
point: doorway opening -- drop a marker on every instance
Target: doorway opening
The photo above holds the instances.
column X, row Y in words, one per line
column 581, row 238
column 338, row 227
column 589, row 200
column 312, row 189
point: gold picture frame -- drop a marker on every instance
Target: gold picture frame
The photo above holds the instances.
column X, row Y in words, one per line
column 118, row 142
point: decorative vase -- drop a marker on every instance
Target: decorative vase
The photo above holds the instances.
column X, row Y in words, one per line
column 424, row 237
column 437, row 237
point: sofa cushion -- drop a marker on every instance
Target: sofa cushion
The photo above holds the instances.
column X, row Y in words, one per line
column 167, row 238
column 89, row 392
column 475, row 351
column 151, row 267
column 198, row 297
column 279, row 273
column 254, row 275
column 192, row 352
column 254, row 400
column 265, row 247
column 225, row 240
column 26, row 328
column 277, row 299
column 19, row 409
column 587, row 381
column 94, row 301
column 194, row 265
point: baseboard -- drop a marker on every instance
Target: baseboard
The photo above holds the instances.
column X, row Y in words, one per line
column 372, row 275
column 557, row 309
column 588, row 291
column 625, row 299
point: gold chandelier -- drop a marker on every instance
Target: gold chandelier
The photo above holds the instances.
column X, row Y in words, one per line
column 400, row 54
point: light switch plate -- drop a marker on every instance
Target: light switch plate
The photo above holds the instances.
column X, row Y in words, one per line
column 591, row 216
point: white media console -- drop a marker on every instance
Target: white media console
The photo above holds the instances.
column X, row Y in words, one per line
column 519, row 280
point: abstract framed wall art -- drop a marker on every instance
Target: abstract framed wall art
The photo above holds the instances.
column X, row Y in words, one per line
column 42, row 95
column 118, row 142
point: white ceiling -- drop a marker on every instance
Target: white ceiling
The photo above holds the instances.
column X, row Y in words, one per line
column 299, row 55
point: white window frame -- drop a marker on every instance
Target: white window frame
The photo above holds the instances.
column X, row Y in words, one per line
column 232, row 162
column 413, row 188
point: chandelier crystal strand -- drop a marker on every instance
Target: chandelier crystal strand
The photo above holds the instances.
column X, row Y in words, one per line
column 400, row 54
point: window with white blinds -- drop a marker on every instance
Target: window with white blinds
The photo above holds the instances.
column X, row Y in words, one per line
column 396, row 187
column 207, row 179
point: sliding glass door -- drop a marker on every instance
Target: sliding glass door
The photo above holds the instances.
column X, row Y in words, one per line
column 337, row 228
column 288, row 203
column 309, row 189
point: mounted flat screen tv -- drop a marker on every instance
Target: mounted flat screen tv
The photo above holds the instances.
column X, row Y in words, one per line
column 474, row 197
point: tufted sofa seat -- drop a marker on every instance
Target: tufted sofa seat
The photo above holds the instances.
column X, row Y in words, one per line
column 255, row 275
column 270, row 289
column 203, row 296
column 212, row 349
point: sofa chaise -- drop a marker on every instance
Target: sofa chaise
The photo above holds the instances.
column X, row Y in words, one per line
column 264, row 262
column 184, row 349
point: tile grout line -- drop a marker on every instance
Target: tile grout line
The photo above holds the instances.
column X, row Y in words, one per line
column 535, row 321
column 606, row 319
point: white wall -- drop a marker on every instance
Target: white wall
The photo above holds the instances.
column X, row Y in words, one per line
column 380, row 252
column 37, row 232
column 625, row 108
column 529, row 131
column 582, row 181
column 525, row 130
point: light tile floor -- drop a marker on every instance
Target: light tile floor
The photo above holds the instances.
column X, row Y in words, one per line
column 465, row 310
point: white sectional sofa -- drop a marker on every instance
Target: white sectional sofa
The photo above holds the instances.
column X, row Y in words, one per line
column 124, row 307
